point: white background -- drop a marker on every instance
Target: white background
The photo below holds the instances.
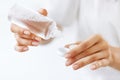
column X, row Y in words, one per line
column 42, row 62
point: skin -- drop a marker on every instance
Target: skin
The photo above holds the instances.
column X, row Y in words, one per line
column 25, row 37
column 94, row 50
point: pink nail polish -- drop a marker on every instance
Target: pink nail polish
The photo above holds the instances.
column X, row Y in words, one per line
column 75, row 67
column 68, row 63
column 93, row 67
column 35, row 43
column 26, row 32
column 25, row 49
column 38, row 39
column 67, row 55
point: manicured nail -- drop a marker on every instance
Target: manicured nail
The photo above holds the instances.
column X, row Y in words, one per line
column 75, row 67
column 35, row 43
column 67, row 55
column 93, row 67
column 38, row 39
column 68, row 63
column 26, row 32
column 25, row 49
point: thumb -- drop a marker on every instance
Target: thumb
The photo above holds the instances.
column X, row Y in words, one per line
column 43, row 12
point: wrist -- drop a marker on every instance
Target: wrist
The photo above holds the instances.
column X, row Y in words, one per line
column 115, row 56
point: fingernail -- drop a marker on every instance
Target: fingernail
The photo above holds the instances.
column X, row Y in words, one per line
column 68, row 63
column 38, row 39
column 93, row 67
column 26, row 32
column 35, row 43
column 25, row 49
column 67, row 55
column 75, row 67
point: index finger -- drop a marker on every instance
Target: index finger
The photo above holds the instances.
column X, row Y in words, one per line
column 84, row 46
column 16, row 29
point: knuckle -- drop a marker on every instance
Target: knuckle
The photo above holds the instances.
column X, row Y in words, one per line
column 85, row 45
column 98, row 37
column 104, row 45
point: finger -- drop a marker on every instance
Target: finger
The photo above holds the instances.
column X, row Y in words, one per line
column 43, row 12
column 27, row 42
column 16, row 29
column 100, row 63
column 76, row 43
column 89, row 59
column 96, row 48
column 84, row 45
column 21, row 48
column 31, row 36
column 70, row 61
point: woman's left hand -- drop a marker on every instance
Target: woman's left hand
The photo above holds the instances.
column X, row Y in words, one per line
column 94, row 50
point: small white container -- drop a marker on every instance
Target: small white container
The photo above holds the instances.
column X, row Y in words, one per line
column 63, row 50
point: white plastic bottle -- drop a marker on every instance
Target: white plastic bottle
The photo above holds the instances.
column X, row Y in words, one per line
column 45, row 27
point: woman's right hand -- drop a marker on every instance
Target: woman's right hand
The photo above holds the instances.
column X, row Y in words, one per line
column 25, row 37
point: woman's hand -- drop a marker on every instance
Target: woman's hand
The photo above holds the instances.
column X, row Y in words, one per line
column 25, row 37
column 94, row 50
